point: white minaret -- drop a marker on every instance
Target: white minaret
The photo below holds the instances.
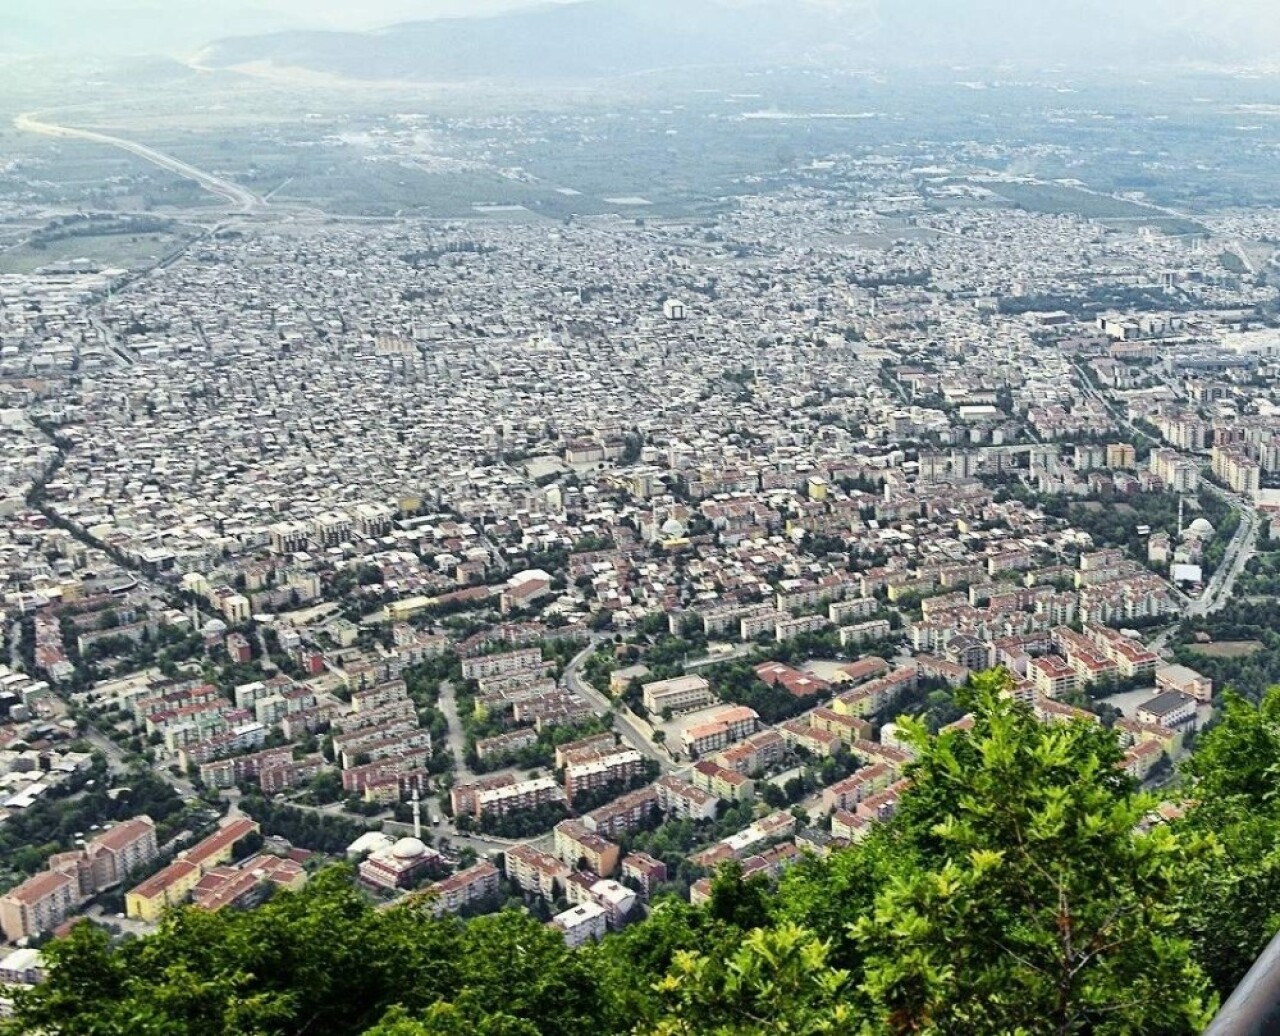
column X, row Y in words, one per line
column 417, row 816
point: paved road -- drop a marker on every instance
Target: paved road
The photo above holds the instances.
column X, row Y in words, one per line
column 116, row 760
column 1241, row 548
column 104, row 744
column 631, row 731
column 110, row 340
column 244, row 199
column 741, row 651
column 15, row 646
column 449, row 706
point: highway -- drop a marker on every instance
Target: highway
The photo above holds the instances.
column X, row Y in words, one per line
column 245, row 200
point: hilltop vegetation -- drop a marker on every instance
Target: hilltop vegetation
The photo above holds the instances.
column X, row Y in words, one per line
column 1022, row 888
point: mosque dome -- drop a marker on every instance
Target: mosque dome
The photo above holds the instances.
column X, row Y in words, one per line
column 1201, row 527
column 408, row 849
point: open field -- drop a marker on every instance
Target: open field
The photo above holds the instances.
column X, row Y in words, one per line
column 1054, row 198
column 1228, row 649
column 129, row 252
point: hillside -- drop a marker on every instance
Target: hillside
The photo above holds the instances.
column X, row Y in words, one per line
column 1022, row 886
column 595, row 38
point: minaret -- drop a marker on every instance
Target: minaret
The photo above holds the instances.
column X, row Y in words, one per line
column 1180, row 525
column 417, row 816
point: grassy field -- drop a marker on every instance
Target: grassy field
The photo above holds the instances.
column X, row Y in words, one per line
column 1228, row 649
column 128, row 251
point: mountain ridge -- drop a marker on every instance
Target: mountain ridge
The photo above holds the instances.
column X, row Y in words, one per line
column 605, row 38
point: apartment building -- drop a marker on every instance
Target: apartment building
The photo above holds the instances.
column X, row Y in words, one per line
column 788, row 629
column 1121, row 455
column 754, row 755
column 505, row 744
column 227, row 773
column 858, row 608
column 876, row 695
column 460, row 890
column 591, row 747
column 521, row 660
column 1051, row 676
column 679, row 694
column 1141, row 758
column 513, row 798
column 38, row 905
column 463, row 797
column 167, row 887
column 291, row 773
column 848, row 728
column 1184, row 680
column 846, row 794
column 753, row 625
column 1132, row 659
column 615, row 899
column 148, row 900
column 625, row 813
column 617, row 767
column 722, row 782
column 575, row 843
column 1179, row 474
column 645, row 871
column 849, row 825
column 681, row 799
column 586, row 922
column 1234, row 466
column 724, row 728
column 802, row 736
column 535, row 872
column 861, row 632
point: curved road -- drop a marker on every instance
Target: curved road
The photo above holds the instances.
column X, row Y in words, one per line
column 239, row 196
column 631, row 733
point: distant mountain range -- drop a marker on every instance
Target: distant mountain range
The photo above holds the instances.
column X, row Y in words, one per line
column 580, row 40
column 596, row 38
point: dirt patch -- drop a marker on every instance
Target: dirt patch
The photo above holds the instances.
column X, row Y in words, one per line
column 1229, row 649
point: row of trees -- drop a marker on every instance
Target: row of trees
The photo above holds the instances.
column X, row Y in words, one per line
column 304, row 828
column 1021, row 888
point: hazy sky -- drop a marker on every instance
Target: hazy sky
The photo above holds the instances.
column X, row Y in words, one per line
column 179, row 26
column 360, row 14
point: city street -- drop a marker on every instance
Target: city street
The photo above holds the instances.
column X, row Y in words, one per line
column 628, row 726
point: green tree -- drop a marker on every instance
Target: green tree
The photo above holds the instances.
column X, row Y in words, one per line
column 1231, row 900
column 1038, row 906
column 777, row 981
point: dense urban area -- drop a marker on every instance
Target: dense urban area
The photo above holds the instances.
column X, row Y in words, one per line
column 702, row 569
